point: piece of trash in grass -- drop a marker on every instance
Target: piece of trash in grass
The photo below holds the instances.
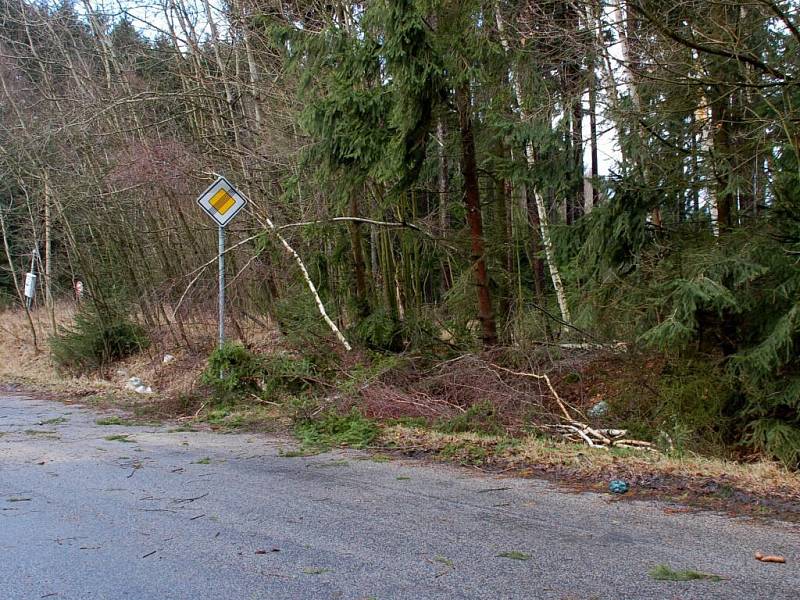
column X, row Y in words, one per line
column 617, row 486
column 598, row 410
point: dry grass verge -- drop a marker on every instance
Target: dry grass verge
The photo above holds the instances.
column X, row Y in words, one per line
column 402, row 389
column 761, row 489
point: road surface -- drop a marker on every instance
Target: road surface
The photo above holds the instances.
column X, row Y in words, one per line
column 196, row 515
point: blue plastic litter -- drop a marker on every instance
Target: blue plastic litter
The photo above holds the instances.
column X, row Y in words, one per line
column 617, row 486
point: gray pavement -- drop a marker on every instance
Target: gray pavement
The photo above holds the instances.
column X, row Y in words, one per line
column 85, row 517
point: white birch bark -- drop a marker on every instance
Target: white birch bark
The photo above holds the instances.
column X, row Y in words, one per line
column 541, row 209
column 320, row 306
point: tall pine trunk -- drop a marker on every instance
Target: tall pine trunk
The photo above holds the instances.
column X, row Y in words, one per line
column 469, row 171
column 359, row 266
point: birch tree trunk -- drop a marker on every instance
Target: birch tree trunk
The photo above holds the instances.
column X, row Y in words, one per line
column 443, row 182
column 541, row 208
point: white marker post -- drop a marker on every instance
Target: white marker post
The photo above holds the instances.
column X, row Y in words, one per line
column 30, row 280
column 222, row 202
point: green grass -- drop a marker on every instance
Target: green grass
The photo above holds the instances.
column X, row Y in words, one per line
column 118, row 438
column 113, row 421
column 203, row 461
column 444, row 560
column 479, row 418
column 403, row 478
column 514, row 555
column 55, row 421
column 316, row 570
column 665, row 573
column 333, row 463
column 182, row 429
column 37, row 432
column 297, row 453
column 465, row 453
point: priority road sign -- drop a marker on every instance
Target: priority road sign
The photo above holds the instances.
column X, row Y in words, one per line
column 222, row 201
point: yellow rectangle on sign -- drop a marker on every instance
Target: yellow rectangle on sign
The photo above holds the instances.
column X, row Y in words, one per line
column 222, row 201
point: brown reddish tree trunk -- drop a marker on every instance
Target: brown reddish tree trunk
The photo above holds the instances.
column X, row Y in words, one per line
column 720, row 118
column 359, row 266
column 469, row 171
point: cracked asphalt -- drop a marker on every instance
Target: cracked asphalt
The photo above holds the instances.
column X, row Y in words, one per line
column 167, row 514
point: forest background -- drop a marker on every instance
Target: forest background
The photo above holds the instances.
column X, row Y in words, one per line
column 604, row 190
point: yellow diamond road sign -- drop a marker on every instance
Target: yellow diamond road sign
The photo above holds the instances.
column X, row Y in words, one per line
column 222, row 201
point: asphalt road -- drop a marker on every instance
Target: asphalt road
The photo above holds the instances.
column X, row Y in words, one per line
column 195, row 515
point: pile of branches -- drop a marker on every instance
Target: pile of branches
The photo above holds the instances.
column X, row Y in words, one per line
column 517, row 397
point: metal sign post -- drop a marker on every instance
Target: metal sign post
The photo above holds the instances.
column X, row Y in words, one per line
column 222, row 202
column 221, row 285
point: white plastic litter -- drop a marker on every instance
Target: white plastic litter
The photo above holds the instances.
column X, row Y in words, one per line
column 135, row 384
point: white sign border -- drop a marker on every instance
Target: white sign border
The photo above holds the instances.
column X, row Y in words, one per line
column 229, row 187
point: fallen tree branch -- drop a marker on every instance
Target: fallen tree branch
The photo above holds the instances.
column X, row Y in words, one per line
column 594, row 438
column 310, row 284
column 546, row 379
column 390, row 224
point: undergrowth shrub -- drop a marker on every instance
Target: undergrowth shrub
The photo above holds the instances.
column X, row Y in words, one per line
column 368, row 370
column 96, row 339
column 378, row 331
column 298, row 318
column 234, row 372
column 286, row 374
column 684, row 406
